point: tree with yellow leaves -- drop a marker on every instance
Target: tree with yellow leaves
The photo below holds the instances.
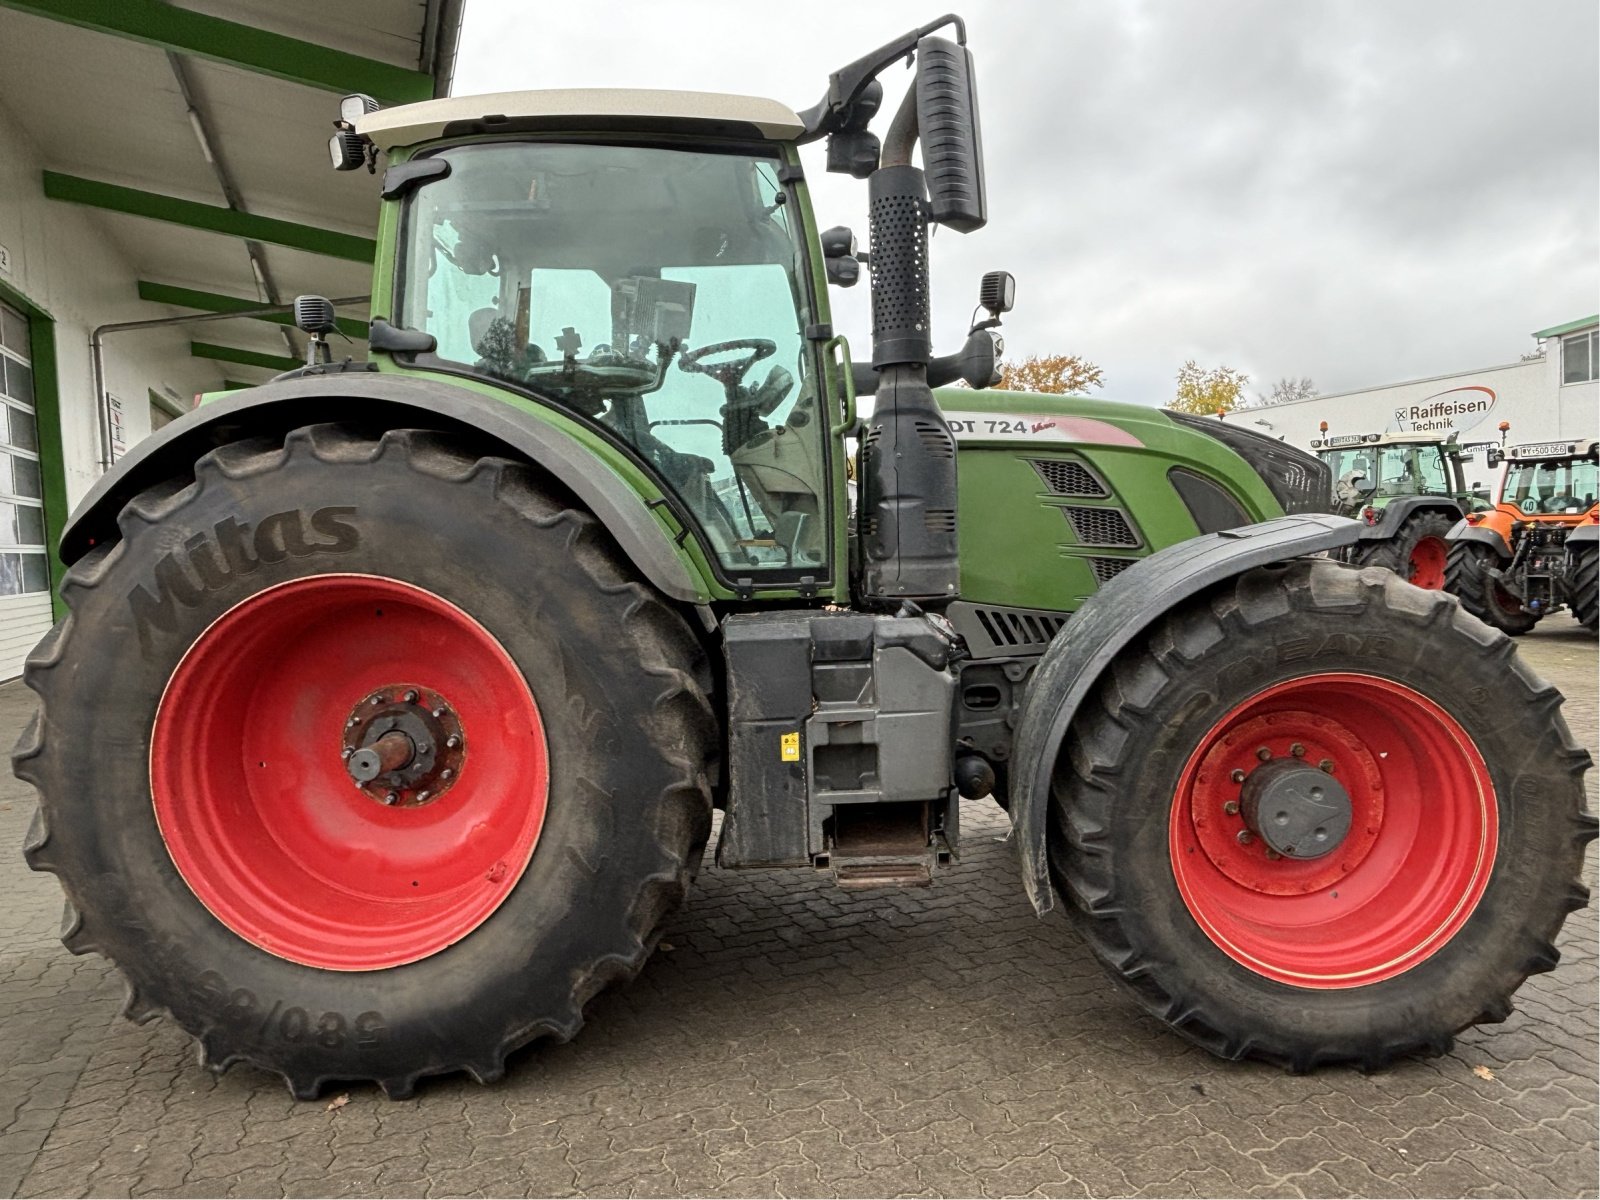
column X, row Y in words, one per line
column 1063, row 374
column 1219, row 389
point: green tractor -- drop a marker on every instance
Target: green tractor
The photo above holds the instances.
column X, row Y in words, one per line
column 395, row 698
column 1409, row 490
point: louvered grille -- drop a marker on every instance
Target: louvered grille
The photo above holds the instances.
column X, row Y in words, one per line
column 1101, row 527
column 1018, row 628
column 1064, row 477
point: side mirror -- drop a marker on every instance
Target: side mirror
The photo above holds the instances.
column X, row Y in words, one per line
column 1493, row 456
column 952, row 146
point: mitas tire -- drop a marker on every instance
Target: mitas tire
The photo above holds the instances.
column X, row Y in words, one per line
column 1417, row 552
column 240, row 616
column 1467, row 578
column 1463, row 856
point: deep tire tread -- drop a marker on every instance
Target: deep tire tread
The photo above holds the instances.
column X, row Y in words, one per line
column 683, row 725
column 1089, row 788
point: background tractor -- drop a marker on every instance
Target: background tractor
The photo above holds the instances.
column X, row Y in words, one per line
column 1534, row 552
column 1408, row 489
column 395, row 698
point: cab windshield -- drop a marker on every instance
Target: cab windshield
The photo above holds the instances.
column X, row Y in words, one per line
column 1371, row 470
column 1552, row 486
column 657, row 293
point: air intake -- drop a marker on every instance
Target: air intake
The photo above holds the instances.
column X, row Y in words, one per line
column 1064, row 477
column 1100, row 526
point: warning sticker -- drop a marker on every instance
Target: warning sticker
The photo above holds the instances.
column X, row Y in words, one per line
column 789, row 747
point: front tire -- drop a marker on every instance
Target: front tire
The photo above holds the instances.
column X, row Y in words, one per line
column 214, row 840
column 1467, row 578
column 1463, row 851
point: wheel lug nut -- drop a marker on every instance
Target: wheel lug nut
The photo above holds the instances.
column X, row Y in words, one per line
column 1297, row 750
column 391, row 797
column 1246, row 837
column 375, row 701
column 438, row 714
column 1326, row 765
column 452, row 742
column 421, row 796
column 346, row 752
column 1263, row 754
column 352, row 722
column 1237, row 776
column 446, row 773
column 411, row 697
column 1231, row 808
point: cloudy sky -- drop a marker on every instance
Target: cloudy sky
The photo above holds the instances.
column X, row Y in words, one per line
column 1359, row 192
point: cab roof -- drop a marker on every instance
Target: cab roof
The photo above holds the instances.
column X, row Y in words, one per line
column 1345, row 441
column 579, row 109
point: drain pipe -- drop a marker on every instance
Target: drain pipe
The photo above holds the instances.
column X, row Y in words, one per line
column 97, row 358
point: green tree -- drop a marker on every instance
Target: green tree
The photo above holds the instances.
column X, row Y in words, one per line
column 1062, row 374
column 1219, row 389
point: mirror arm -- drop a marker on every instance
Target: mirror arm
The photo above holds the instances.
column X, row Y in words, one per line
column 846, row 84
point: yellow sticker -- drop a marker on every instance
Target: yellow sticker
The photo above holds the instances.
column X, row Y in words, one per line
column 789, row 747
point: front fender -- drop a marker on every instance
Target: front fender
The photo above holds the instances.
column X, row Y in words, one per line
column 386, row 401
column 1106, row 623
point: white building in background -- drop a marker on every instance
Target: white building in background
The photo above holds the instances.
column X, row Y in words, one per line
column 1546, row 398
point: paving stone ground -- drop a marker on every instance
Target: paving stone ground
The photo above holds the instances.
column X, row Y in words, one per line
column 796, row 1040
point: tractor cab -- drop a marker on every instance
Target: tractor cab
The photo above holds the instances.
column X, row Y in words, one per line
column 1372, row 469
column 657, row 289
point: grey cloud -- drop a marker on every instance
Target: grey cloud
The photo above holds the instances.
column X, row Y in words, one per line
column 1360, row 192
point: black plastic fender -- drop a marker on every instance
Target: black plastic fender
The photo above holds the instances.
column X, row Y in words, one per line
column 397, row 402
column 1402, row 508
column 1108, row 621
column 1464, row 531
column 1582, row 536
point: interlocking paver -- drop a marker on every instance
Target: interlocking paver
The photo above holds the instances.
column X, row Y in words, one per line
column 795, row 1040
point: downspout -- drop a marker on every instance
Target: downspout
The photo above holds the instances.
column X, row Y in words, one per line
column 97, row 355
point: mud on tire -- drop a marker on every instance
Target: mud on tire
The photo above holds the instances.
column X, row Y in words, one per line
column 620, row 682
column 1111, row 839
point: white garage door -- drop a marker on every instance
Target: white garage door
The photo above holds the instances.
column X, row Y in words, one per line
column 24, row 565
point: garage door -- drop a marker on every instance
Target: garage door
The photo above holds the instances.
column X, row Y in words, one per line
column 24, row 564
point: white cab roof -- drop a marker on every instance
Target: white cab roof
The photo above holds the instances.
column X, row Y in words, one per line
column 409, row 123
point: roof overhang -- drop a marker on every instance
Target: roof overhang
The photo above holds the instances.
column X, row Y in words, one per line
column 1569, row 327
column 579, row 109
column 196, row 131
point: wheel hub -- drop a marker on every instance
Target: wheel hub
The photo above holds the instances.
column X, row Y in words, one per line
column 403, row 746
column 1298, row 810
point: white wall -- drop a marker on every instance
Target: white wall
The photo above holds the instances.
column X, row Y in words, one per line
column 62, row 262
column 1528, row 394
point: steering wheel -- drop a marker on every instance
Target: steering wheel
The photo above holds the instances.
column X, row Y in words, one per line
column 729, row 373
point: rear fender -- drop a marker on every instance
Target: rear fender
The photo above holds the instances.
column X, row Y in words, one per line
column 1401, row 509
column 1586, row 534
column 1107, row 622
column 373, row 399
column 1485, row 535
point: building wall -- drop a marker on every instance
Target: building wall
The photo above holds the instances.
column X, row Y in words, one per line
column 1473, row 403
column 64, row 264
column 61, row 262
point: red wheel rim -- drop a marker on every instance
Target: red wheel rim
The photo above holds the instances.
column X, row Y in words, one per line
column 261, row 815
column 1427, row 563
column 1404, row 880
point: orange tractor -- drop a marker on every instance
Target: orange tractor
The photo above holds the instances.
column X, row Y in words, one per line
column 1534, row 553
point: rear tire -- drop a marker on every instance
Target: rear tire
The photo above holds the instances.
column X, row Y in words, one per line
column 620, row 683
column 1429, row 937
column 1584, row 585
column 1417, row 552
column 1466, row 576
